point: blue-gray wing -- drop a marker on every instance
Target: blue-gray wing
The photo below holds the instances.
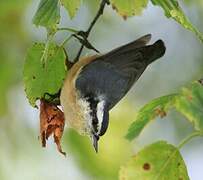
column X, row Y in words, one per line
column 113, row 74
column 101, row 79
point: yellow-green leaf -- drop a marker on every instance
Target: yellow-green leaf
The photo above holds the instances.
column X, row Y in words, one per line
column 158, row 161
column 129, row 7
column 173, row 10
column 156, row 108
column 190, row 104
column 48, row 14
column 72, row 6
column 40, row 79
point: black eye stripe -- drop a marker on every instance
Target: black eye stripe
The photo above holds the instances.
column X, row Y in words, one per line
column 95, row 123
column 94, row 120
column 93, row 106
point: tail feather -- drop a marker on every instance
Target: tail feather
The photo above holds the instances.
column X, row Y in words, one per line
column 136, row 55
column 154, row 51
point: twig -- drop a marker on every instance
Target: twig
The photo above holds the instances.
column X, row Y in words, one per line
column 85, row 43
column 201, row 81
column 86, row 34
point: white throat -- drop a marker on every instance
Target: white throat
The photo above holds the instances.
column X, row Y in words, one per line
column 85, row 113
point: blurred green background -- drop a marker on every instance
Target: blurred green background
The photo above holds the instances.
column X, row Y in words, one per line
column 21, row 155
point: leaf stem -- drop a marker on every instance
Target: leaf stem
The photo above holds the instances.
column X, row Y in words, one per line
column 190, row 137
column 99, row 13
column 50, row 36
column 66, row 40
column 68, row 29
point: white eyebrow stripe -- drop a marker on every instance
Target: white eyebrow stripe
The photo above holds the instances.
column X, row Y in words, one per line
column 100, row 114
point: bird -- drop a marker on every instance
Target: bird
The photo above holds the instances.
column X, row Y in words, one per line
column 95, row 84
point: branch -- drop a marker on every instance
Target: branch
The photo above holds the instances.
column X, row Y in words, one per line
column 86, row 34
column 85, row 43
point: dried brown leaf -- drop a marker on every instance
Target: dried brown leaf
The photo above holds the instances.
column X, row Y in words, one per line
column 51, row 122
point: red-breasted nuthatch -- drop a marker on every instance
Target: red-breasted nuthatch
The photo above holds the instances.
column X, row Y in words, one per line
column 94, row 85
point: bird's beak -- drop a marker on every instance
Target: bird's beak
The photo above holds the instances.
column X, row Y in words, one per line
column 95, row 140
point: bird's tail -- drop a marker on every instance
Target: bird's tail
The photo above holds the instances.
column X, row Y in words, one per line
column 154, row 51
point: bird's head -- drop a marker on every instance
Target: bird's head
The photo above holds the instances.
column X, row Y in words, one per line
column 96, row 115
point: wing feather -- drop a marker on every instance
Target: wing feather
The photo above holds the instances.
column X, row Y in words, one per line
column 113, row 74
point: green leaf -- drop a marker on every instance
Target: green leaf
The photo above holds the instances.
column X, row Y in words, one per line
column 190, row 104
column 173, row 10
column 158, row 161
column 48, row 14
column 129, row 7
column 40, row 80
column 157, row 107
column 72, row 6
